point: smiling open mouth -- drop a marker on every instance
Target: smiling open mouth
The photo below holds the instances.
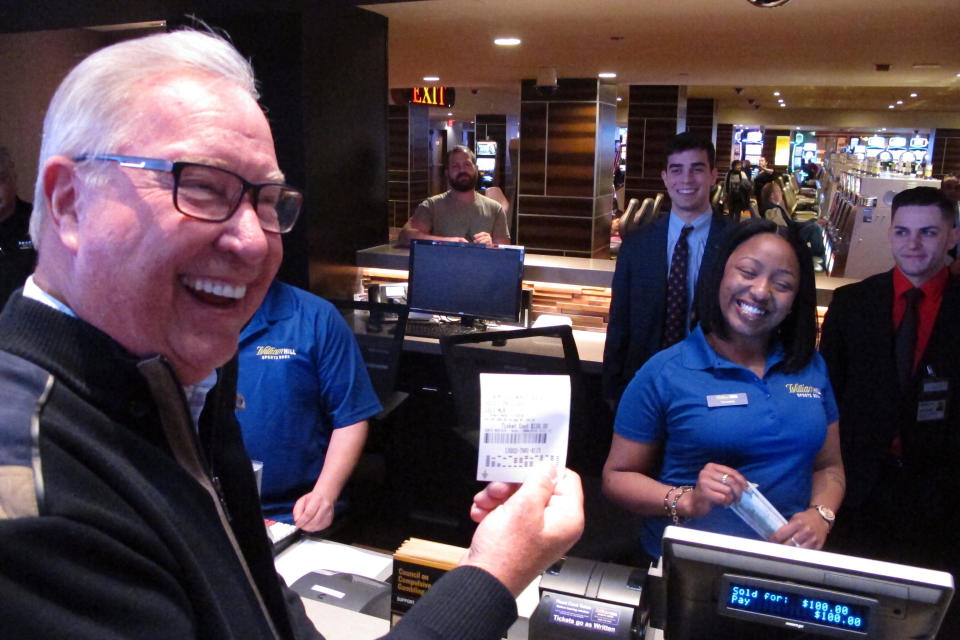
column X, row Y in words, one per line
column 214, row 292
column 751, row 310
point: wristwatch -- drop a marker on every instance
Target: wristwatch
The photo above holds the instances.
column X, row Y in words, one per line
column 825, row 512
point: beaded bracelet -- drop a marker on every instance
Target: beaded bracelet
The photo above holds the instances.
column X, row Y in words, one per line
column 673, row 505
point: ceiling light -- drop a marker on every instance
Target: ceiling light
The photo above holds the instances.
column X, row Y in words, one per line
column 899, row 101
column 450, row 113
column 922, row 66
column 913, row 95
column 892, row 106
column 776, row 93
column 506, row 42
column 619, row 99
column 783, row 104
column 779, row 99
column 606, row 74
column 431, row 78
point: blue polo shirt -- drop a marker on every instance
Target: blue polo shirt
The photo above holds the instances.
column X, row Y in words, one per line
column 301, row 376
column 772, row 439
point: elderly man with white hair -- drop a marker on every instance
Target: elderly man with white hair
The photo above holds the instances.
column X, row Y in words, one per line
column 128, row 506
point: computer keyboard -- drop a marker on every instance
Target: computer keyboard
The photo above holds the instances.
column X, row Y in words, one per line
column 438, row 329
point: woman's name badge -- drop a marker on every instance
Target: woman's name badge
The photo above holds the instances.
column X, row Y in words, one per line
column 727, row 400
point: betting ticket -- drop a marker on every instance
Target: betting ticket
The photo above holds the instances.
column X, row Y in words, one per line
column 754, row 509
column 524, row 419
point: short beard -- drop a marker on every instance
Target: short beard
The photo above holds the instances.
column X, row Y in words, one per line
column 456, row 185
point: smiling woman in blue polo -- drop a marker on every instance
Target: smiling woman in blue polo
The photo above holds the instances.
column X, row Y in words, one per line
column 743, row 400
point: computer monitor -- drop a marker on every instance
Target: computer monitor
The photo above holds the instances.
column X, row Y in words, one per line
column 468, row 280
column 721, row 587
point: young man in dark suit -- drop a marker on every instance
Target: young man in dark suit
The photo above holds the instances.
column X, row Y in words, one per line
column 892, row 346
column 638, row 309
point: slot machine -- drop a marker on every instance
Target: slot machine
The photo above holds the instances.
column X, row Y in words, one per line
column 486, row 163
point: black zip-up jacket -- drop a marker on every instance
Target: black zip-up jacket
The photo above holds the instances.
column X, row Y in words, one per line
column 119, row 520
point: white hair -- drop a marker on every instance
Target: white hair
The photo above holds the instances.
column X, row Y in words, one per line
column 89, row 112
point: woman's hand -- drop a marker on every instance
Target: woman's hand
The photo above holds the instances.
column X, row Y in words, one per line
column 805, row 529
column 717, row 484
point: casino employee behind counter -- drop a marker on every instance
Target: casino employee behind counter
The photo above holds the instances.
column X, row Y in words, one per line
column 460, row 214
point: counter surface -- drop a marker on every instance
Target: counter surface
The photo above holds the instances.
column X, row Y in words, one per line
column 591, row 272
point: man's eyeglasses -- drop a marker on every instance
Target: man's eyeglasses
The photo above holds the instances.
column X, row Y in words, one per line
column 214, row 194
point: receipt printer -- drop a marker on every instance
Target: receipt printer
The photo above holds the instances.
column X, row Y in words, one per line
column 346, row 590
column 585, row 599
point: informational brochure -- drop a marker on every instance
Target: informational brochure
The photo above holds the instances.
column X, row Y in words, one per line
column 524, row 419
column 754, row 509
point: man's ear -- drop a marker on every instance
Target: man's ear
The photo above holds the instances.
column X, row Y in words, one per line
column 60, row 182
column 954, row 238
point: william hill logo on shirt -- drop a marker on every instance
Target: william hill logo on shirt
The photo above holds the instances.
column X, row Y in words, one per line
column 804, row 391
column 275, row 353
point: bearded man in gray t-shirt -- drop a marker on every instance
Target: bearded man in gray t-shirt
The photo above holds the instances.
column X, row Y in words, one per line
column 460, row 214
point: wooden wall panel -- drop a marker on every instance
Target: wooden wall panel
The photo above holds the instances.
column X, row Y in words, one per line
column 653, row 117
column 407, row 160
column 562, row 191
column 724, row 148
column 532, row 176
column 567, row 235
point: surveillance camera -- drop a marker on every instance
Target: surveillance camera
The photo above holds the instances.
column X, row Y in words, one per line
column 546, row 81
column 739, row 90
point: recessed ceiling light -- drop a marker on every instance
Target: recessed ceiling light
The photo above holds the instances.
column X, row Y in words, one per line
column 450, row 113
column 506, row 42
column 913, row 95
column 776, row 93
column 922, row 66
column 891, row 106
column 779, row 99
column 606, row 74
column 431, row 78
column 899, row 101
column 783, row 104
column 619, row 99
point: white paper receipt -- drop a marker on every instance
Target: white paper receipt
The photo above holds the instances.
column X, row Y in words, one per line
column 524, row 419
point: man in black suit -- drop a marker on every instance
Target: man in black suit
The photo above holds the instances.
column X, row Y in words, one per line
column 896, row 376
column 638, row 307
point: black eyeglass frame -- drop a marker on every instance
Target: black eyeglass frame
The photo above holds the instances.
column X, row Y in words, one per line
column 176, row 168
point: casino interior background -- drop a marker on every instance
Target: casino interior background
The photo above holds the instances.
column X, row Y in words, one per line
column 326, row 68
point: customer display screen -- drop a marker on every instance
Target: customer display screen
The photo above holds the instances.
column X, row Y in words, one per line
column 794, row 605
column 465, row 279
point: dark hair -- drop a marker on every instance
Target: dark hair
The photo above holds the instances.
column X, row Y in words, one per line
column 798, row 331
column 924, row 197
column 688, row 140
